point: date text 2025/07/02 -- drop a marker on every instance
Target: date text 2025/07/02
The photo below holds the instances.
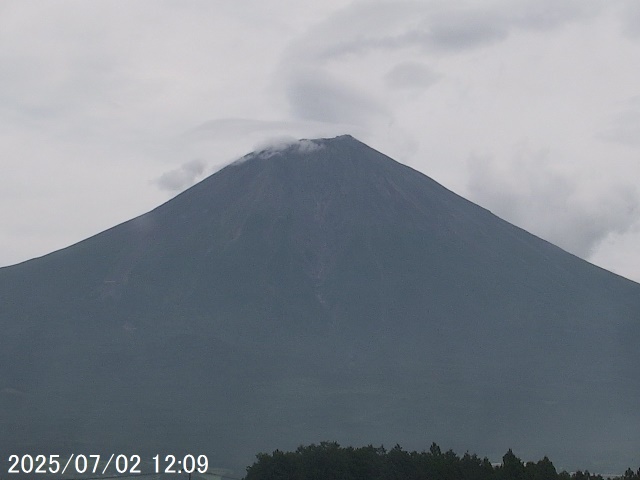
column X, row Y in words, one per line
column 94, row 464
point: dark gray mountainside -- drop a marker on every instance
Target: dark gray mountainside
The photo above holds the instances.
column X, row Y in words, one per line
column 319, row 292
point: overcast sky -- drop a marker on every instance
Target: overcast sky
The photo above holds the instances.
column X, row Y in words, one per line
column 530, row 108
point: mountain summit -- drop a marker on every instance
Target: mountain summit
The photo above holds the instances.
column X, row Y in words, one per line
column 319, row 291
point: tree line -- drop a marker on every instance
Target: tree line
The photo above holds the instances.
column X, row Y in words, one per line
column 330, row 461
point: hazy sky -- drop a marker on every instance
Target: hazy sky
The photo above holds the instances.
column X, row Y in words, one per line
column 530, row 108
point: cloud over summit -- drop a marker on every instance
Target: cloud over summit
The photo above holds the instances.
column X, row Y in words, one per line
column 317, row 96
column 276, row 145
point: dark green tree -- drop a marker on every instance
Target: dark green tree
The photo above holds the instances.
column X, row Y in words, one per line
column 512, row 467
column 366, row 463
column 326, row 461
column 542, row 470
column 399, row 465
column 277, row 466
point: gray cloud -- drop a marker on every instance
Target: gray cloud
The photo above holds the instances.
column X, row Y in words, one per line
column 555, row 206
column 181, row 178
column 459, row 31
column 314, row 95
column 411, row 75
column 548, row 14
column 434, row 26
column 630, row 18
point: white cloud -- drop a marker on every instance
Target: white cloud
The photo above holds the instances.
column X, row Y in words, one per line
column 566, row 210
column 624, row 127
column 181, row 178
column 618, row 252
column 277, row 145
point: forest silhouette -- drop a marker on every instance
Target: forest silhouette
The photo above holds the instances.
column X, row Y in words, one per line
column 330, row 461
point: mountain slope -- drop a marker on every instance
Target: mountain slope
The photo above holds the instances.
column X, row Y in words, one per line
column 320, row 291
